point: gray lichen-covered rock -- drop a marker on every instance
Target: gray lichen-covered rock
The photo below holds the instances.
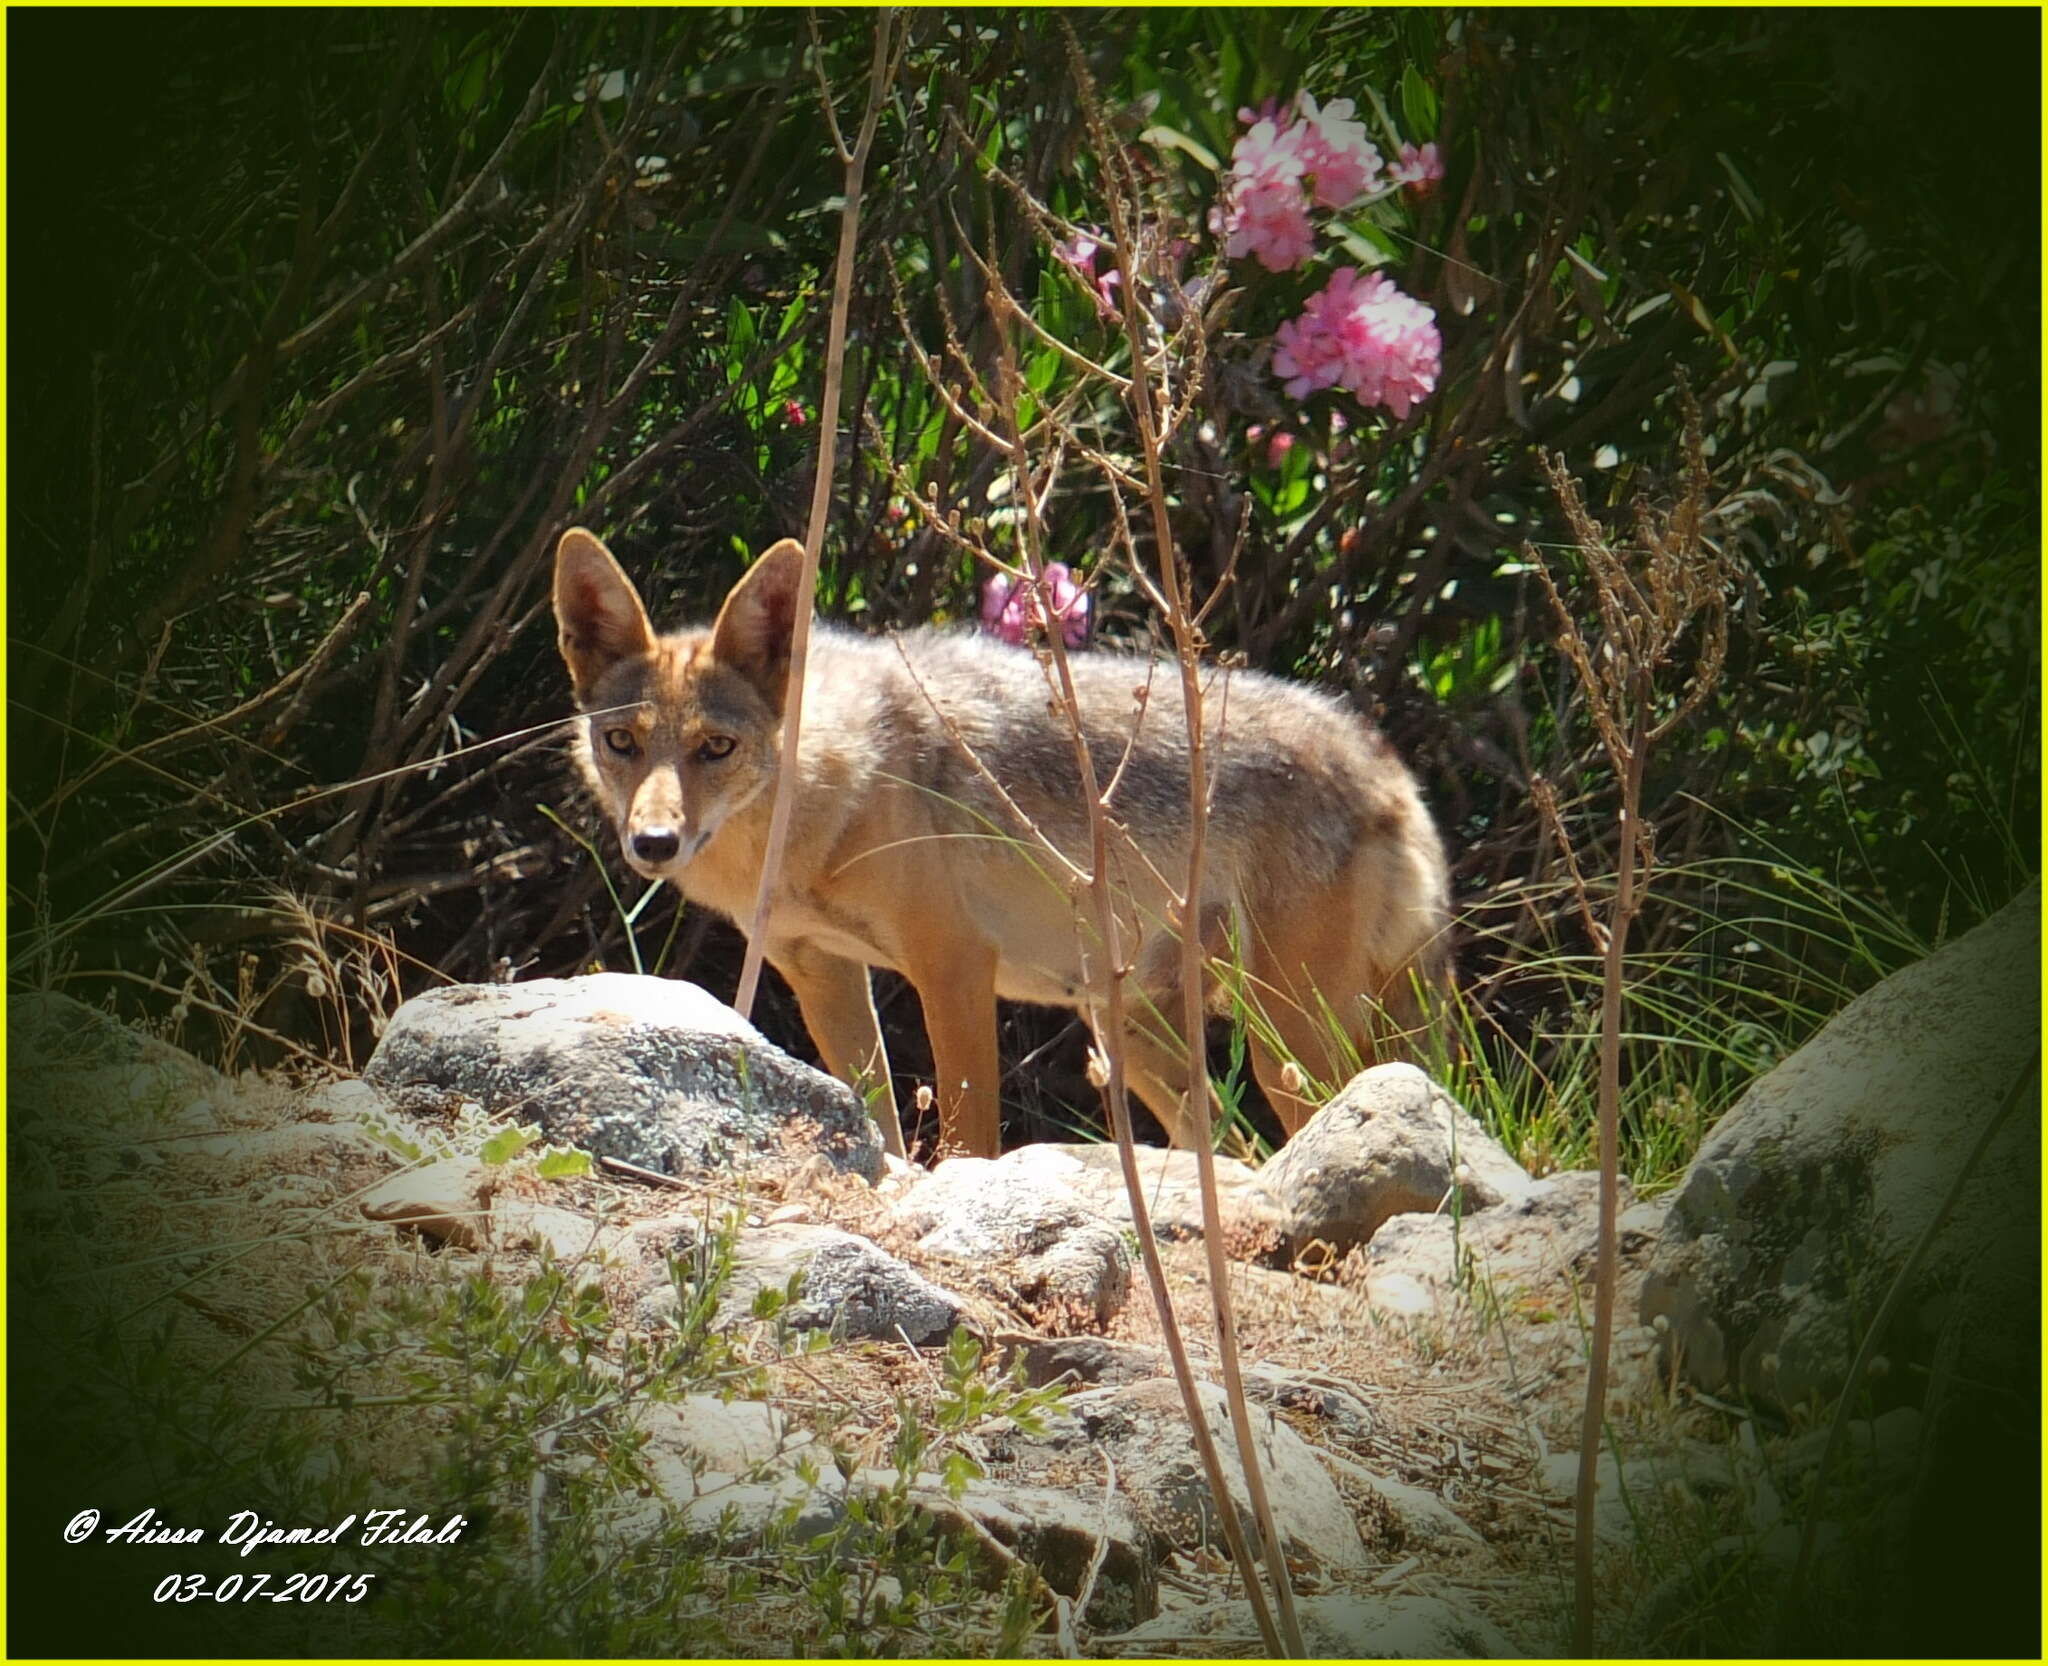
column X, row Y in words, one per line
column 1540, row 1241
column 850, row 1287
column 1391, row 1143
column 1059, row 1254
column 1061, row 1533
column 651, row 1070
column 1143, row 1427
column 1803, row 1204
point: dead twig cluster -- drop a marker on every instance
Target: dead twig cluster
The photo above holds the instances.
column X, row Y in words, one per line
column 1662, row 604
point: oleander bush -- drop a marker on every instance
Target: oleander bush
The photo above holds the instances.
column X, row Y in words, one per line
column 330, row 323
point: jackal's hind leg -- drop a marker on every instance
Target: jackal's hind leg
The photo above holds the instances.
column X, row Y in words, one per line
column 1156, row 1067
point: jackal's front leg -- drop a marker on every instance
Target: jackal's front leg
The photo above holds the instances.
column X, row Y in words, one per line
column 956, row 982
column 838, row 1004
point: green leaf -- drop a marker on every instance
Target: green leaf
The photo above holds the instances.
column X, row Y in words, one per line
column 466, row 86
column 1367, row 244
column 963, row 1354
column 740, row 333
column 396, row 1142
column 1418, row 106
column 959, row 1470
column 563, row 1163
column 506, row 1144
column 1745, row 196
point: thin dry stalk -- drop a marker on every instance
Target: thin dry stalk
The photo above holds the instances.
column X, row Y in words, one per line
column 1648, row 595
column 855, row 161
column 992, row 414
column 1107, row 968
column 1110, row 971
column 1187, row 646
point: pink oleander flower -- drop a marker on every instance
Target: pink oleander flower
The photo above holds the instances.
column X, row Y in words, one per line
column 1335, row 152
column 1010, row 609
column 1283, row 162
column 1080, row 252
column 1307, row 355
column 995, row 600
column 1270, row 224
column 1418, row 169
column 1265, row 211
column 1363, row 335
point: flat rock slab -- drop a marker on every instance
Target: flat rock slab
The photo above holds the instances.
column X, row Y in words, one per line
column 296, row 1147
column 651, row 1070
column 1144, row 1430
column 1412, row 1517
column 713, row 1508
column 572, row 1237
column 1060, row 1255
column 701, row 1434
column 48, row 1033
column 447, row 1201
column 1104, row 1362
column 1068, row 1536
column 1060, row 1533
column 1170, row 1181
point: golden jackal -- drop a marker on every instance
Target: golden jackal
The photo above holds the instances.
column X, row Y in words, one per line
column 1324, row 879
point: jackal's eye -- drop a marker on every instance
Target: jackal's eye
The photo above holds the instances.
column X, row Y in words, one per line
column 716, row 747
column 621, row 741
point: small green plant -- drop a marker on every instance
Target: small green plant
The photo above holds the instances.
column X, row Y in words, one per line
column 549, row 1162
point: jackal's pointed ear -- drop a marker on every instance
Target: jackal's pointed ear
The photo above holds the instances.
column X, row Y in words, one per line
column 754, row 627
column 596, row 608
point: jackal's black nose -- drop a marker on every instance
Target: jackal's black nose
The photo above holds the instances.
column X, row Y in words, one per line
column 657, row 844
